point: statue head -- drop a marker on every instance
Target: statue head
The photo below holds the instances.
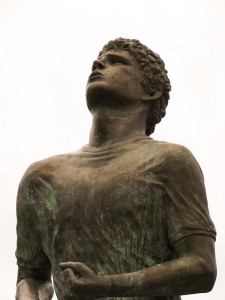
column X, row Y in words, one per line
column 153, row 76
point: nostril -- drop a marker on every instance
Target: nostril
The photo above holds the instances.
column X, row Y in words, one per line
column 98, row 65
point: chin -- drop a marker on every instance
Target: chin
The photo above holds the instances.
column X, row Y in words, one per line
column 98, row 94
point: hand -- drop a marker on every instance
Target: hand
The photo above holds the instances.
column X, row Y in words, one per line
column 79, row 281
column 29, row 288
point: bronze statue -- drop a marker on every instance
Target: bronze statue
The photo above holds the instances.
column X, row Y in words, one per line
column 125, row 216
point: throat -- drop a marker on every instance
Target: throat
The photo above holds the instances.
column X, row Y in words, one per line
column 119, row 118
column 110, row 128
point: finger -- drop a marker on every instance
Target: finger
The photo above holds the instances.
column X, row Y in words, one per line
column 74, row 267
column 68, row 264
column 79, row 268
column 68, row 275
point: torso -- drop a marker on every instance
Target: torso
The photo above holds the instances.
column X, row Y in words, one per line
column 105, row 208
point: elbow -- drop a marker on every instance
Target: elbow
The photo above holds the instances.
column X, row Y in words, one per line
column 209, row 281
column 206, row 276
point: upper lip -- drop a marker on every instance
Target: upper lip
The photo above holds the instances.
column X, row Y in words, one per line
column 95, row 73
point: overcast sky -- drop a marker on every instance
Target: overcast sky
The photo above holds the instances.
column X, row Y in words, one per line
column 46, row 52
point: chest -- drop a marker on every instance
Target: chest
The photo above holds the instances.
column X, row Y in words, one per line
column 100, row 194
column 95, row 205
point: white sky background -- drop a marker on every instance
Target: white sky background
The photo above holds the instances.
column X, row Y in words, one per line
column 46, row 52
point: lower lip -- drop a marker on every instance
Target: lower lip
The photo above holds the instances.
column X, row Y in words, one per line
column 95, row 76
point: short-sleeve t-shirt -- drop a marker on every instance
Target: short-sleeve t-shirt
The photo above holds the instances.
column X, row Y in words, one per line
column 118, row 209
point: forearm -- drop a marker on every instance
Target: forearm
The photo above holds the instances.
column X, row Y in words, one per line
column 193, row 272
column 32, row 289
column 186, row 275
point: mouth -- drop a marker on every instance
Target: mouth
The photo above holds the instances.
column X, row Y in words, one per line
column 95, row 74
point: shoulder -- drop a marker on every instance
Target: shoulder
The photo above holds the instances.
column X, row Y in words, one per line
column 173, row 157
column 169, row 151
column 46, row 169
column 40, row 167
column 41, row 177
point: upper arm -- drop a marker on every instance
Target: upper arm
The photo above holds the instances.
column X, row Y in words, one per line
column 31, row 259
column 186, row 203
column 201, row 246
column 190, row 229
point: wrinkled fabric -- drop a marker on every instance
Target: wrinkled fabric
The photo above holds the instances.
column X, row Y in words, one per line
column 117, row 209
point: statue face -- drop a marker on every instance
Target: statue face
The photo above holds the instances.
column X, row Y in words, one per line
column 114, row 81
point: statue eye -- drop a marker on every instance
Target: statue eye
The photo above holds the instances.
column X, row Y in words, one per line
column 117, row 60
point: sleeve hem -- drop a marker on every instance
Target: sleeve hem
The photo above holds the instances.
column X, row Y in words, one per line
column 193, row 232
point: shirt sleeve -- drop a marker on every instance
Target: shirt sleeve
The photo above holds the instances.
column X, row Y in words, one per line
column 186, row 203
column 31, row 259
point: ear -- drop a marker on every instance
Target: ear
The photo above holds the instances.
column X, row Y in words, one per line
column 153, row 96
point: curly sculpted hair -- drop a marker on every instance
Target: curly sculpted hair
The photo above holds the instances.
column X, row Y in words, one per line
column 153, row 76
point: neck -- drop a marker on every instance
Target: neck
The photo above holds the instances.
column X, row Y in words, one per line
column 112, row 125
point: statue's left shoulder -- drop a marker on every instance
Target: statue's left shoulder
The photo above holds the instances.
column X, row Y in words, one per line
column 175, row 157
column 172, row 151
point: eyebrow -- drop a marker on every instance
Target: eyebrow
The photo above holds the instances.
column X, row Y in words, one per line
column 117, row 56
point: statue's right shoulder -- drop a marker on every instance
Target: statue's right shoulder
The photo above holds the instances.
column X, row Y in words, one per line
column 47, row 167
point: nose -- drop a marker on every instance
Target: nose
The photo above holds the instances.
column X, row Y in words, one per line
column 98, row 64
